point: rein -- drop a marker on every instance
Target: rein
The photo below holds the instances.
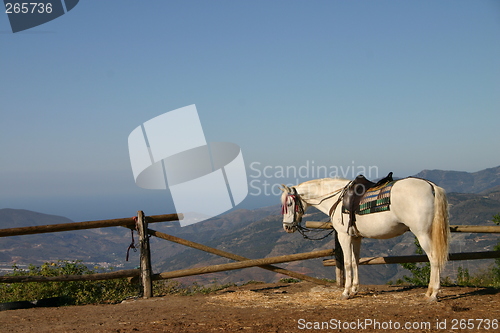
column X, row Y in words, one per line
column 132, row 245
column 302, row 230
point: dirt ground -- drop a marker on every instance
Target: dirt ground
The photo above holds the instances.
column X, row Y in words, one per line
column 276, row 307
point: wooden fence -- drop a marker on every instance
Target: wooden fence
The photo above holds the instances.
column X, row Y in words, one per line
column 145, row 276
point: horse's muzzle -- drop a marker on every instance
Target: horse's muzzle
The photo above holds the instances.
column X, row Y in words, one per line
column 289, row 228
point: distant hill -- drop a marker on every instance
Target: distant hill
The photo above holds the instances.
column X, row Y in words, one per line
column 473, row 197
column 15, row 218
column 463, row 182
column 91, row 245
column 104, row 245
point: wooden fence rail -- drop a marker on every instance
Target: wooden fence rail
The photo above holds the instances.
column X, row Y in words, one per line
column 419, row 258
column 242, row 264
column 453, row 228
column 128, row 221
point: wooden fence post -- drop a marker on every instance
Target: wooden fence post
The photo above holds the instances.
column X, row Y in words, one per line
column 339, row 260
column 146, row 272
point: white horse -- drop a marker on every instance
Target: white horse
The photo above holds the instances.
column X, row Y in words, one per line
column 417, row 205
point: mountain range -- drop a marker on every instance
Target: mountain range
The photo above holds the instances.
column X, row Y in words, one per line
column 473, row 199
column 464, row 182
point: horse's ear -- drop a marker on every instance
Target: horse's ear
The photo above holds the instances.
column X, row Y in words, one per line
column 284, row 188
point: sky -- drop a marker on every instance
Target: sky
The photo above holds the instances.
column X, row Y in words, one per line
column 301, row 86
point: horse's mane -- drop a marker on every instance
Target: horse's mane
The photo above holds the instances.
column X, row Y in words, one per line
column 320, row 180
column 323, row 187
column 316, row 188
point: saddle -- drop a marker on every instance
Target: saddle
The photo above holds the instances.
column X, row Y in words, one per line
column 353, row 194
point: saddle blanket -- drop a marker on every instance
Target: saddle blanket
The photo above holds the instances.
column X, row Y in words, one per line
column 376, row 199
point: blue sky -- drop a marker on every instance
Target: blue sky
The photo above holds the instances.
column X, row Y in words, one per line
column 293, row 83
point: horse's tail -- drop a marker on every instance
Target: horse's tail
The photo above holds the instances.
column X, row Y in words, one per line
column 440, row 227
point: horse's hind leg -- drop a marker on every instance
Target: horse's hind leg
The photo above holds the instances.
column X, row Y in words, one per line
column 434, row 280
column 434, row 283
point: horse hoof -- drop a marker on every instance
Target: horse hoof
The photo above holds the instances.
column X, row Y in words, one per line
column 344, row 297
column 431, row 299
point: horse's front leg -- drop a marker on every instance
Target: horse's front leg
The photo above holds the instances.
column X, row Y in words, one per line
column 356, row 248
column 346, row 244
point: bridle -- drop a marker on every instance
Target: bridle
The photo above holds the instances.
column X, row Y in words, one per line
column 299, row 210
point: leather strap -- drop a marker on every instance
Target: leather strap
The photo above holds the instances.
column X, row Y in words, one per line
column 334, row 207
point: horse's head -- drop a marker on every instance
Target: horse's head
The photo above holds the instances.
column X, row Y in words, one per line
column 292, row 208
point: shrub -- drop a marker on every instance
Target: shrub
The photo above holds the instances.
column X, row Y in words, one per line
column 74, row 292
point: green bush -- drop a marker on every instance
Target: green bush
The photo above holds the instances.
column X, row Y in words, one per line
column 496, row 268
column 74, row 292
column 479, row 279
column 252, row 282
column 88, row 292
